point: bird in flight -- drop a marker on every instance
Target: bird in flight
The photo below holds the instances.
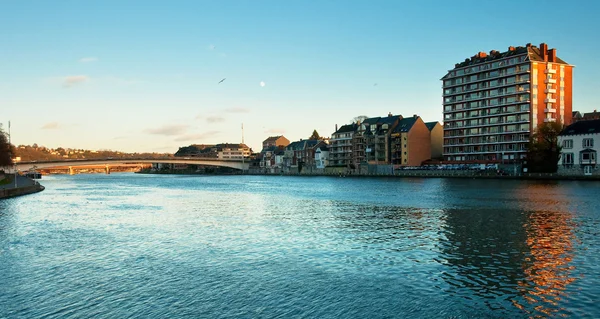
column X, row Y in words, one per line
column 221, row 81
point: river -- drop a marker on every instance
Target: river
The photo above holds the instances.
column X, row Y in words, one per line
column 158, row 246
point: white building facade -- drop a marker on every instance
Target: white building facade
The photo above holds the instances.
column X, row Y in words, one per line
column 580, row 142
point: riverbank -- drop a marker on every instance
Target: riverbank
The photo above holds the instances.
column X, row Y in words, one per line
column 24, row 186
column 468, row 174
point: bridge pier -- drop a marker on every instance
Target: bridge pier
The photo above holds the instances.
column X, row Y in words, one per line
column 107, row 169
column 71, row 170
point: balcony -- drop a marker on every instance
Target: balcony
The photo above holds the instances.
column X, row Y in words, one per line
column 550, row 110
column 550, row 71
column 550, row 101
column 553, row 81
column 549, row 90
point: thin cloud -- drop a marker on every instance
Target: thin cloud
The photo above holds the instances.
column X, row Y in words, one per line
column 168, row 130
column 237, row 110
column 72, row 80
column 51, row 126
column 196, row 137
column 215, row 119
column 119, row 81
column 89, row 59
column 275, row 131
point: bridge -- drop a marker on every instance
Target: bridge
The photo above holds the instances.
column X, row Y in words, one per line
column 232, row 163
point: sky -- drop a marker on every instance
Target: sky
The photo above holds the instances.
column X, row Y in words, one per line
column 143, row 76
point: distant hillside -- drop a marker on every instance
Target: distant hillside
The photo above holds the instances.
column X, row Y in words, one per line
column 41, row 153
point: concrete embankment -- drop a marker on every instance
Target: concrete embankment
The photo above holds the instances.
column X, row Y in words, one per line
column 24, row 186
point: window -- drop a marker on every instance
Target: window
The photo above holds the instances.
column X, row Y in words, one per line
column 588, row 156
column 588, row 142
column 567, row 144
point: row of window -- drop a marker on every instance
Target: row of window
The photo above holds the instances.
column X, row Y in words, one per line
column 585, row 143
column 486, row 148
column 485, row 84
column 489, row 93
column 489, row 112
column 487, row 130
column 487, row 139
column 490, row 100
column 568, row 158
column 483, row 104
column 491, row 65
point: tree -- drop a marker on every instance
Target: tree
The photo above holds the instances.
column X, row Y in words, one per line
column 315, row 136
column 543, row 151
column 360, row 118
column 6, row 150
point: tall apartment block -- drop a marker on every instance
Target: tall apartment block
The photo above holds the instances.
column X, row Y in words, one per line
column 493, row 102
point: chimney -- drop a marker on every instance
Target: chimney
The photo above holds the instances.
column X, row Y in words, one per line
column 415, row 115
column 390, row 114
column 481, row 55
column 511, row 48
column 544, row 51
column 552, row 55
column 336, row 128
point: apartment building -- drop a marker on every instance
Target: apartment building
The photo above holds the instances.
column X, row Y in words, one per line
column 340, row 149
column 493, row 102
column 410, row 142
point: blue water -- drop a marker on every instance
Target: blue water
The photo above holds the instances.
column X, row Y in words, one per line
column 156, row 246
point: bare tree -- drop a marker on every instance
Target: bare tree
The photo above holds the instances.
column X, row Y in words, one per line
column 360, row 118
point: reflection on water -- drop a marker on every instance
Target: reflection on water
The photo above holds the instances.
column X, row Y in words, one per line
column 129, row 245
column 548, row 269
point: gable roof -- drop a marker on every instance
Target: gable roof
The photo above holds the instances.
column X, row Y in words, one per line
column 591, row 114
column 431, row 125
column 405, row 124
column 272, row 138
column 582, row 127
column 302, row 145
column 347, row 128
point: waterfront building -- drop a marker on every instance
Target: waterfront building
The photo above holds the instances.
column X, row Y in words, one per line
column 386, row 140
column 301, row 154
column 322, row 156
column 580, row 142
column 233, row 151
column 410, row 142
column 436, row 133
column 492, row 102
column 340, row 149
column 377, row 135
column 278, row 141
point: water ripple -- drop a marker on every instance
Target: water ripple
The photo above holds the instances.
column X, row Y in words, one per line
column 139, row 246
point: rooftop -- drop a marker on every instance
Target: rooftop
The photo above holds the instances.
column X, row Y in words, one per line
column 534, row 53
column 582, row 127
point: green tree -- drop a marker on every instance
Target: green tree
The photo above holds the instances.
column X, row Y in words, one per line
column 315, row 136
column 6, row 150
column 543, row 151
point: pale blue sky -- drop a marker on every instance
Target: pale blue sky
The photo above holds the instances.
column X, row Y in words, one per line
column 142, row 75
